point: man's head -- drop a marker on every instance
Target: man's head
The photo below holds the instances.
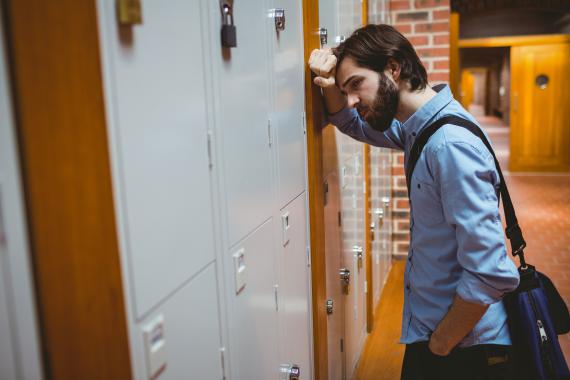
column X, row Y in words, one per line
column 373, row 65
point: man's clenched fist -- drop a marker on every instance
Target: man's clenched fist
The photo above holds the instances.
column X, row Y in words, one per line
column 323, row 63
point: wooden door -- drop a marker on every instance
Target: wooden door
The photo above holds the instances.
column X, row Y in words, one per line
column 540, row 117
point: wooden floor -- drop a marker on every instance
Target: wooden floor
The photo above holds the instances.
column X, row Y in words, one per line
column 382, row 355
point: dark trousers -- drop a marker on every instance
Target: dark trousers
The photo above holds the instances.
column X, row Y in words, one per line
column 482, row 362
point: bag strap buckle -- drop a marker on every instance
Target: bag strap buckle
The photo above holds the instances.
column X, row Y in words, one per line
column 514, row 234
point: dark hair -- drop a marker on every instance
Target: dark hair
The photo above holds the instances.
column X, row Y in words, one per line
column 373, row 45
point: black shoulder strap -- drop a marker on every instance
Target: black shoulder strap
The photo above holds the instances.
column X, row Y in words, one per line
column 513, row 231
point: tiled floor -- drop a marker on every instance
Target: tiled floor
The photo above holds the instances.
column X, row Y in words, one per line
column 542, row 204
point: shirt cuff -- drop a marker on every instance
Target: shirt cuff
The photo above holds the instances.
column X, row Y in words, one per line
column 473, row 289
column 341, row 117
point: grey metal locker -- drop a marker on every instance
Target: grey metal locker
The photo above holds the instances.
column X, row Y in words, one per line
column 294, row 288
column 333, row 248
column 20, row 346
column 189, row 320
column 252, row 306
column 158, row 127
column 287, row 73
column 245, row 136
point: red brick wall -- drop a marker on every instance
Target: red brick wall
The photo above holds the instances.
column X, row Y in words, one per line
column 426, row 24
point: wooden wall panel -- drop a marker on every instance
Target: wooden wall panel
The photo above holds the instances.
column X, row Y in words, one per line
column 60, row 116
column 454, row 64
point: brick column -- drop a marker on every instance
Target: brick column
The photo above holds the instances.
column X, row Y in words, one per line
column 426, row 24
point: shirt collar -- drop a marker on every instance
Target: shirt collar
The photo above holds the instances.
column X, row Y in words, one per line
column 426, row 113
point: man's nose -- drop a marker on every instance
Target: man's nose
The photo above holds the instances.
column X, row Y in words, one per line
column 352, row 100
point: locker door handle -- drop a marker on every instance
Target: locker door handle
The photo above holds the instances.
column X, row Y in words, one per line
column 330, row 307
column 324, row 36
column 358, row 254
column 380, row 215
column 278, row 14
column 345, row 275
column 290, row 372
column 345, row 278
column 339, row 39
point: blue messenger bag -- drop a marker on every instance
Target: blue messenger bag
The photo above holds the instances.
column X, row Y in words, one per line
column 536, row 312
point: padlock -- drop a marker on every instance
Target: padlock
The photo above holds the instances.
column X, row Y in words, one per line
column 229, row 36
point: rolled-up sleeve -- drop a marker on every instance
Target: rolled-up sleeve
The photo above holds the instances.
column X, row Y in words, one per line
column 468, row 179
column 349, row 122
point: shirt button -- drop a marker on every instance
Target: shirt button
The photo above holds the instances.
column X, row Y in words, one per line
column 419, row 186
column 408, row 287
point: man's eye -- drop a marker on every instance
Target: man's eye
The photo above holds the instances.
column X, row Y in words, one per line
column 356, row 83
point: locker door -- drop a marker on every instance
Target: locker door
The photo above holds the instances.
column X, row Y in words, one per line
column 354, row 257
column 289, row 99
column 294, row 288
column 377, row 219
column 190, row 320
column 380, row 214
column 349, row 18
column 252, row 306
column 7, row 357
column 386, row 245
column 335, row 292
column 158, row 126
column 19, row 341
column 328, row 19
column 246, row 135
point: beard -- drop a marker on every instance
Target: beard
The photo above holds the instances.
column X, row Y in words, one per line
column 383, row 110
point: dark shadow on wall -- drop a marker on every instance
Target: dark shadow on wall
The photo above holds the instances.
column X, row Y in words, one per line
column 514, row 22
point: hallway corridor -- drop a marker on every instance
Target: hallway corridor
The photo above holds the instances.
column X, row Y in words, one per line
column 542, row 202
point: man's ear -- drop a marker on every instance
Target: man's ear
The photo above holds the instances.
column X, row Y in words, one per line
column 394, row 69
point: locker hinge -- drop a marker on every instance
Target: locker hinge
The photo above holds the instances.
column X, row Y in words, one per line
column 365, row 287
column 308, row 256
column 341, row 345
column 223, row 360
column 276, row 290
column 209, row 146
column 269, row 133
column 339, row 219
column 325, row 192
column 304, row 117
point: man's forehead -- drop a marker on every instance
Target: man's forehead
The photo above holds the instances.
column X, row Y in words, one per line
column 346, row 69
column 346, row 66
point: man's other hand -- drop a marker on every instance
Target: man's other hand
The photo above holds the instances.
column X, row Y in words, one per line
column 323, row 63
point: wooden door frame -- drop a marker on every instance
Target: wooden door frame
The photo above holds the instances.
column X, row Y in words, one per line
column 509, row 41
column 60, row 118
column 454, row 63
column 314, row 120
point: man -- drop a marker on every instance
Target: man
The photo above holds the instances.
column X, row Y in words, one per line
column 454, row 322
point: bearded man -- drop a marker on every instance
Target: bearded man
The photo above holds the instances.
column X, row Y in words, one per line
column 454, row 322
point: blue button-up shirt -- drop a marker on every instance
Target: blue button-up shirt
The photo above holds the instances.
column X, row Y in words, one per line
column 457, row 244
